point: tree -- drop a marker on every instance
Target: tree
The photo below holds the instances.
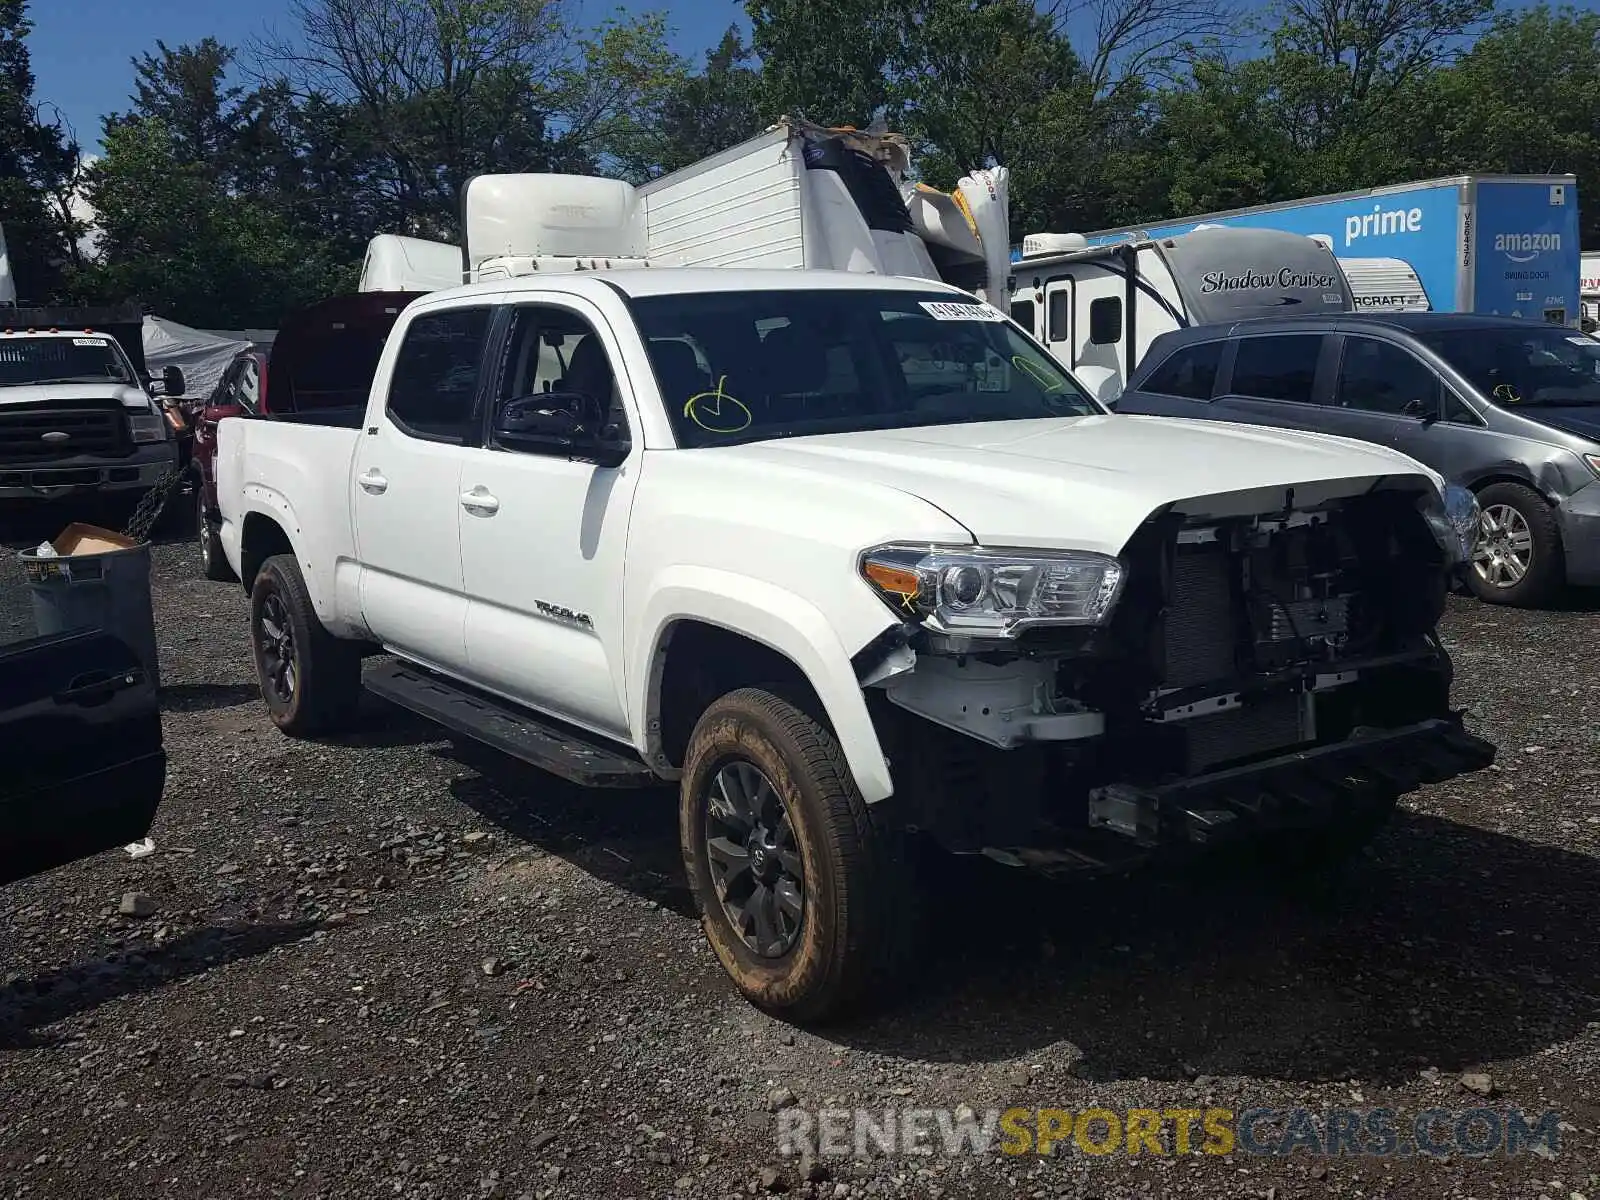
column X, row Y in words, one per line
column 830, row 61
column 704, row 113
column 173, row 240
column 37, row 161
column 447, row 89
column 1524, row 98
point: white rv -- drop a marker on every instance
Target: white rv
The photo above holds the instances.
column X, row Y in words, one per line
column 1098, row 308
column 797, row 196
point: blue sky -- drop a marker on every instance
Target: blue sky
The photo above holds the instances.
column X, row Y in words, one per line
column 81, row 48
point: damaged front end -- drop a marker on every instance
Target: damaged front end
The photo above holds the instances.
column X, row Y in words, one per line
column 1232, row 671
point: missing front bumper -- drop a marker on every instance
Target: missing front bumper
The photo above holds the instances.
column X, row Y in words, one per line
column 1307, row 788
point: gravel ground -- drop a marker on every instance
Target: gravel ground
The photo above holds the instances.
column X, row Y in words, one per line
column 394, row 966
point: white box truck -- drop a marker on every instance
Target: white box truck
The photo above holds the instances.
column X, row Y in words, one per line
column 797, row 196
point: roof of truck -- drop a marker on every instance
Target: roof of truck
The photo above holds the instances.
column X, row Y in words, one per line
column 675, row 281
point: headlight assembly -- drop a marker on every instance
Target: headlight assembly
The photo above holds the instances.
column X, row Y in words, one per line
column 1453, row 516
column 147, row 427
column 994, row 593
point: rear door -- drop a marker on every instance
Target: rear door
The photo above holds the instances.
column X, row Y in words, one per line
column 406, row 491
column 84, row 765
column 1276, row 379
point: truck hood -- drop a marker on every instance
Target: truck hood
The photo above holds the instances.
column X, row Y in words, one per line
column 68, row 394
column 1088, row 483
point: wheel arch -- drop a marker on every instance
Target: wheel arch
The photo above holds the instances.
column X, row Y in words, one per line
column 708, row 632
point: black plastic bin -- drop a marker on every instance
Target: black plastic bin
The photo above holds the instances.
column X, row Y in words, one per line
column 108, row 589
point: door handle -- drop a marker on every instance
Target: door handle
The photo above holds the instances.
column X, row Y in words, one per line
column 479, row 500
column 373, row 481
column 97, row 687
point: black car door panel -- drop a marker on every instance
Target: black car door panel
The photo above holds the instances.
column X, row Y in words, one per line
column 84, row 767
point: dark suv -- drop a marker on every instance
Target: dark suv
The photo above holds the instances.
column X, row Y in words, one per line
column 1509, row 408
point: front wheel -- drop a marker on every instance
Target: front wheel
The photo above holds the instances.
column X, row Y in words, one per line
column 803, row 899
column 310, row 679
column 1517, row 558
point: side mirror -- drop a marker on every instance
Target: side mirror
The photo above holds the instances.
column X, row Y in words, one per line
column 1423, row 410
column 567, row 423
column 172, row 381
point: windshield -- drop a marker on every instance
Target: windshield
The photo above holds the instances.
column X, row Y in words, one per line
column 744, row 366
column 1543, row 364
column 86, row 359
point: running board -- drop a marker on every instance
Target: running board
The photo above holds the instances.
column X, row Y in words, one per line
column 505, row 727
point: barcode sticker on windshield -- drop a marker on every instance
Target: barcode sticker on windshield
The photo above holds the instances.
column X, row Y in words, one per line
column 88, row 341
column 956, row 310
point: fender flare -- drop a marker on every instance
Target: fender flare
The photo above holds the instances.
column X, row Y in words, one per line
column 262, row 501
column 778, row 619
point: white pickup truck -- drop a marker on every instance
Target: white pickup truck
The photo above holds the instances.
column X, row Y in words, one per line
column 855, row 563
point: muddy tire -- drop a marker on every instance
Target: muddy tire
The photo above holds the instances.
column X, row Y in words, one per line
column 805, row 901
column 310, row 680
column 1518, row 558
column 213, row 562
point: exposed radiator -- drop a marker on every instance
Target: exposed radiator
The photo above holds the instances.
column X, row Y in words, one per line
column 1201, row 624
column 1275, row 723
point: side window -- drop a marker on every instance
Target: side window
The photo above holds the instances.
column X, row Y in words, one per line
column 1277, row 367
column 248, row 388
column 436, row 374
column 555, row 350
column 1058, row 313
column 1105, row 321
column 1024, row 313
column 1191, row 372
column 1379, row 377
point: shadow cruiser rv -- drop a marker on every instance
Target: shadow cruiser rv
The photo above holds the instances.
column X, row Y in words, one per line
column 1098, row 308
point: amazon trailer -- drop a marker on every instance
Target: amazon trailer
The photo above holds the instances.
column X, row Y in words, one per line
column 1500, row 245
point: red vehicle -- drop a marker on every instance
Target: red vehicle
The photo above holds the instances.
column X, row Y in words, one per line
column 322, row 361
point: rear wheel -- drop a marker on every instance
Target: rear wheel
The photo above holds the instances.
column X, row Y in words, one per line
column 213, row 562
column 803, row 899
column 310, row 680
column 1517, row 558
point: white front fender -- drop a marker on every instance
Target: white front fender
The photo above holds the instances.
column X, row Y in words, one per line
column 779, row 620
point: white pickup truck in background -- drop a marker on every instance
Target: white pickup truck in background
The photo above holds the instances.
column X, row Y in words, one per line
column 853, row 561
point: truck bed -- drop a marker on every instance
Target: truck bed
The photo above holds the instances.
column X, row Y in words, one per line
column 304, row 463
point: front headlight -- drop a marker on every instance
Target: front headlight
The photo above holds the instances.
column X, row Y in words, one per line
column 1453, row 515
column 147, row 427
column 994, row 593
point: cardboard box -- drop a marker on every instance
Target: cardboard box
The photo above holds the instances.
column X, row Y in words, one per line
column 79, row 538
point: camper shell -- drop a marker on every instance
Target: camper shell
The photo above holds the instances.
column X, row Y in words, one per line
column 1098, row 308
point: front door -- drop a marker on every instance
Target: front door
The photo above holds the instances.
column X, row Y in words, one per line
column 406, row 490
column 1386, row 394
column 87, row 768
column 543, row 535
